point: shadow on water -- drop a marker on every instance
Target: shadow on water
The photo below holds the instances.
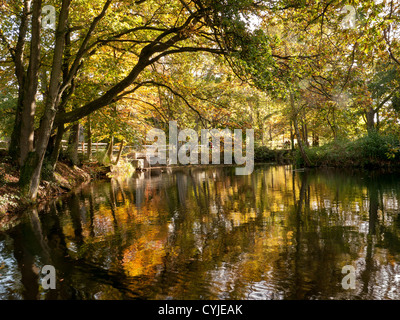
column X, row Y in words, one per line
column 208, row 234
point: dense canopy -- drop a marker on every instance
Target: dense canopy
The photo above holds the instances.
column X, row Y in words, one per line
column 300, row 73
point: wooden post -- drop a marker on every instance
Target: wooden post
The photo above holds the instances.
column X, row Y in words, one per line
column 119, row 152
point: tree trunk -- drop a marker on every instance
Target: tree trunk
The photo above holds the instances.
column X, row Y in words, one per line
column 15, row 148
column 31, row 170
column 332, row 127
column 109, row 153
column 57, row 146
column 300, row 143
column 315, row 139
column 119, row 152
column 30, row 86
column 305, row 130
column 52, row 153
column 297, row 132
column 291, row 135
column 378, row 121
column 73, row 143
column 89, row 138
column 370, row 119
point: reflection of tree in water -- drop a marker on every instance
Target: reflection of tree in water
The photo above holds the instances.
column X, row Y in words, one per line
column 350, row 241
column 209, row 234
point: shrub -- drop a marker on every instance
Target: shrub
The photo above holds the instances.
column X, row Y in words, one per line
column 47, row 171
column 375, row 146
column 8, row 201
column 102, row 158
column 263, row 154
column 372, row 150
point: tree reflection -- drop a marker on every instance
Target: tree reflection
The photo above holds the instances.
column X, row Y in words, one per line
column 208, row 234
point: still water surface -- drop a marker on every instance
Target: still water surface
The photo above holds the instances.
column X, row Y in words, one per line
column 209, row 234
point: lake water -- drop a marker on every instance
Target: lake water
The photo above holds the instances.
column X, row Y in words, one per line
column 205, row 233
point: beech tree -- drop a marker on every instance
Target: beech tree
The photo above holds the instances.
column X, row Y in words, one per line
column 142, row 32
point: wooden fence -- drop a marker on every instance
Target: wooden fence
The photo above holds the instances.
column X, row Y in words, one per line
column 3, row 145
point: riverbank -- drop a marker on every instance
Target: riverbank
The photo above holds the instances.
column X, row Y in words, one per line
column 373, row 151
column 66, row 178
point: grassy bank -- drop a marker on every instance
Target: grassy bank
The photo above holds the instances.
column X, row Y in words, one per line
column 66, row 178
column 371, row 151
column 263, row 154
